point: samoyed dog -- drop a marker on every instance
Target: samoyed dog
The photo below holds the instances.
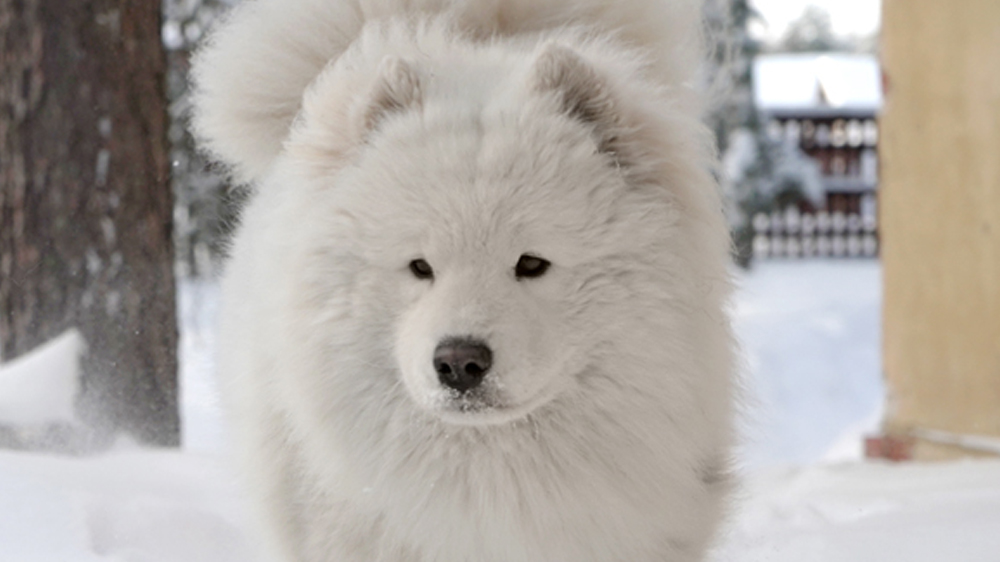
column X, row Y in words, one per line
column 475, row 308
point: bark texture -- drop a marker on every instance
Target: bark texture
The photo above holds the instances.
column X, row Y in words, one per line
column 85, row 202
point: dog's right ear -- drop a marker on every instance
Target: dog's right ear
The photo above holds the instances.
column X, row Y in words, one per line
column 344, row 107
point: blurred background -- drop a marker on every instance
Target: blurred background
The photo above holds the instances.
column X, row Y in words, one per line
column 858, row 141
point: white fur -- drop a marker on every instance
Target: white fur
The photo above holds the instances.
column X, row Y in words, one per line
column 467, row 134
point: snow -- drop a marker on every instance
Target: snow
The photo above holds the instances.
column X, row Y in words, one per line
column 810, row 331
column 129, row 505
column 869, row 512
column 203, row 429
column 40, row 387
column 978, row 443
column 795, row 80
column 848, row 17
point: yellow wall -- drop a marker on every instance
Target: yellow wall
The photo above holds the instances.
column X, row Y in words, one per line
column 940, row 216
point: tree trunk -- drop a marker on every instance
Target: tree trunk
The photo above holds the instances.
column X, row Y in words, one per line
column 85, row 203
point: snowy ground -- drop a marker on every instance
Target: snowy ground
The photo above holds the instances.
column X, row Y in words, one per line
column 811, row 335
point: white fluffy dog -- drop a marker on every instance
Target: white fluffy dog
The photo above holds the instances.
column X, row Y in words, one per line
column 474, row 311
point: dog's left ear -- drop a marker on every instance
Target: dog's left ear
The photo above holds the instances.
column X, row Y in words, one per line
column 581, row 92
column 397, row 89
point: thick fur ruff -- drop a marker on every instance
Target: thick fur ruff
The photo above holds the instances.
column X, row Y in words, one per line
column 470, row 134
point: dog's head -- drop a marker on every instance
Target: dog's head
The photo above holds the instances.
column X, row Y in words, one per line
column 495, row 224
column 495, row 219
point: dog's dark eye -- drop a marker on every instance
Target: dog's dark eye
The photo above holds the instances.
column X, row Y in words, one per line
column 421, row 269
column 530, row 266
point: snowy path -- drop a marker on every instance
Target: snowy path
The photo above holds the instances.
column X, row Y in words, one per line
column 870, row 512
column 811, row 337
column 810, row 332
column 143, row 506
column 135, row 506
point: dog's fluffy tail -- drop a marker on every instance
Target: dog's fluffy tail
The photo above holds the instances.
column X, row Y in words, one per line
column 253, row 70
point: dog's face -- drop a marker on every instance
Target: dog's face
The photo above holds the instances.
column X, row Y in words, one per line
column 489, row 253
column 495, row 240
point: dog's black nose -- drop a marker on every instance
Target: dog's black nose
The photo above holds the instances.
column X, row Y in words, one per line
column 461, row 363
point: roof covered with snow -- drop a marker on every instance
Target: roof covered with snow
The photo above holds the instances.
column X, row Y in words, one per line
column 815, row 81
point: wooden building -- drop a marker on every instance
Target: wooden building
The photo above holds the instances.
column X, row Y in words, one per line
column 826, row 104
